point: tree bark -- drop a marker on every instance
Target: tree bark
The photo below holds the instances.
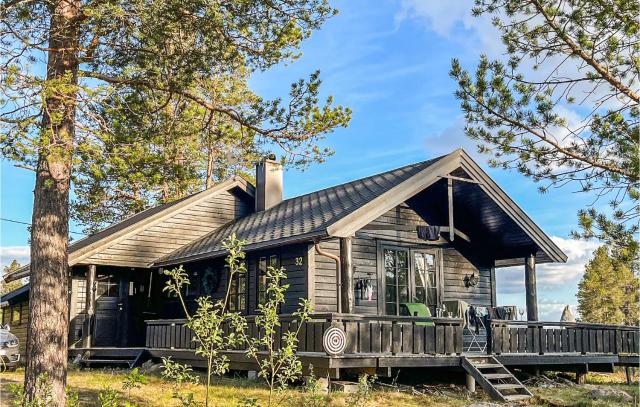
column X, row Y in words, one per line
column 49, row 317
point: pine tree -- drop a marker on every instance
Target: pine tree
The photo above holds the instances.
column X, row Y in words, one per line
column 562, row 108
column 608, row 292
column 62, row 62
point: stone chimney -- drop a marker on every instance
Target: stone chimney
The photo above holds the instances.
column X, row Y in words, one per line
column 268, row 183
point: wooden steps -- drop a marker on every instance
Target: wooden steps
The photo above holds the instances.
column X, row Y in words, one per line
column 112, row 357
column 497, row 375
column 494, row 378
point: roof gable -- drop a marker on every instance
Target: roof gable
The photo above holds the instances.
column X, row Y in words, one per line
column 342, row 210
column 149, row 236
column 140, row 239
column 301, row 218
column 348, row 225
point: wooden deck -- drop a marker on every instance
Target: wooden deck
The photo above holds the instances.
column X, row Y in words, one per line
column 383, row 343
column 364, row 334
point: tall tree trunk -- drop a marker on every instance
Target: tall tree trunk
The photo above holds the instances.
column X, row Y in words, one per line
column 49, row 317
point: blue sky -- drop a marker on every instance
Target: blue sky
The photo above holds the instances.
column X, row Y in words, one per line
column 388, row 61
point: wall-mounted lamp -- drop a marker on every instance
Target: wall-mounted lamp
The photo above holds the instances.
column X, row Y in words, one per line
column 471, row 280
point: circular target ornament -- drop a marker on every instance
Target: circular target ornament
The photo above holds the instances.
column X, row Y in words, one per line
column 334, row 341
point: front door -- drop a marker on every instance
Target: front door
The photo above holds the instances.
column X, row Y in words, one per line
column 110, row 310
column 410, row 276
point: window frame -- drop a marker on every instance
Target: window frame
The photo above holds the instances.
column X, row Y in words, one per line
column 411, row 251
column 234, row 295
column 270, row 259
column 16, row 309
column 111, row 282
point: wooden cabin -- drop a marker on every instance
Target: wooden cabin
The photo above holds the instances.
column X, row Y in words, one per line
column 14, row 313
column 430, row 233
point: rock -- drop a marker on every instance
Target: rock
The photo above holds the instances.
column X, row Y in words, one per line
column 322, row 384
column 149, row 367
column 146, row 365
column 601, row 391
column 567, row 315
column 343, row 386
column 484, row 404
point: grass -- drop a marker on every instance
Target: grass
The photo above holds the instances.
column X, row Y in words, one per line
column 232, row 391
column 225, row 392
column 579, row 396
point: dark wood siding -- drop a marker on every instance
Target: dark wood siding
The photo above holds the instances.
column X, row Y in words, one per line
column 325, row 278
column 293, row 259
column 457, row 261
column 455, row 267
column 163, row 237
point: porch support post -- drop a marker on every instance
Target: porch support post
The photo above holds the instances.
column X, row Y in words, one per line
column 530, row 287
column 471, row 383
column 90, row 306
column 450, row 204
column 346, row 275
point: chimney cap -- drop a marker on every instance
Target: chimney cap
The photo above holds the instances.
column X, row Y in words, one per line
column 270, row 156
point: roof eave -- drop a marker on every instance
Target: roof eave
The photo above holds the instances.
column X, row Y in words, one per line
column 319, row 234
column 504, row 201
column 77, row 256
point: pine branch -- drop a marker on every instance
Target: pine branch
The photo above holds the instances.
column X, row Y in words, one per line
column 582, row 54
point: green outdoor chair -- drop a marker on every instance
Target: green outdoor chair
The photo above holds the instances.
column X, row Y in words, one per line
column 418, row 309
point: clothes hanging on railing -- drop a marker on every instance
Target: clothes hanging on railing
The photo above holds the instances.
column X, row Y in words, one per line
column 457, row 308
column 505, row 313
column 476, row 316
column 512, row 312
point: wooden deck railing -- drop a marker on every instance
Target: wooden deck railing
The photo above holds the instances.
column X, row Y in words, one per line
column 561, row 337
column 364, row 334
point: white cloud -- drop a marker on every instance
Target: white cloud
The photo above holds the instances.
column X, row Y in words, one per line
column 557, row 282
column 453, row 20
column 9, row 253
column 552, row 276
column 551, row 309
column 451, row 138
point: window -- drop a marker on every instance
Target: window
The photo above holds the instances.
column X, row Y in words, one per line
column 396, row 271
column 262, row 283
column 107, row 286
column 16, row 313
column 426, row 290
column 238, row 293
column 81, row 296
column 409, row 276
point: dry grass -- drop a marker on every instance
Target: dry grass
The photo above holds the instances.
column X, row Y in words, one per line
column 579, row 396
column 231, row 391
column 225, row 392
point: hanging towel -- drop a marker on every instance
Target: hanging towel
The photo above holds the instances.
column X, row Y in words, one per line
column 428, row 232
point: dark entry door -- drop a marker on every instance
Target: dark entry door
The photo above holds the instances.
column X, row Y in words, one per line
column 110, row 312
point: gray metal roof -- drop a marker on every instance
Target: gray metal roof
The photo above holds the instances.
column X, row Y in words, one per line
column 19, row 294
column 297, row 219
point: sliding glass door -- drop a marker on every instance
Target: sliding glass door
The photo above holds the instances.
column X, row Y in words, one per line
column 410, row 276
column 396, row 271
column 425, row 280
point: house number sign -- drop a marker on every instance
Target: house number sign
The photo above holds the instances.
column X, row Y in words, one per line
column 334, row 341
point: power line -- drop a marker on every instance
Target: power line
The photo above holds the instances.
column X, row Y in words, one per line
column 29, row 224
